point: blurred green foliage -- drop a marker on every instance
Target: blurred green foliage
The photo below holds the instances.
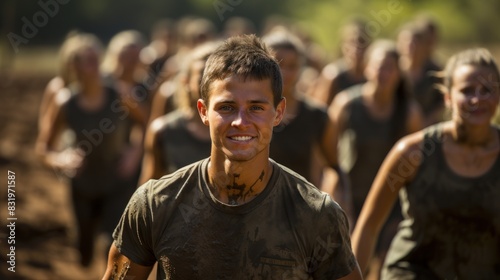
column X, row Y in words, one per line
column 460, row 21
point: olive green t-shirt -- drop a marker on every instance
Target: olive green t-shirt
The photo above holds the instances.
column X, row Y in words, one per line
column 289, row 231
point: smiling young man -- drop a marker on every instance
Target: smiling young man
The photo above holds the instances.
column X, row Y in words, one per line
column 236, row 214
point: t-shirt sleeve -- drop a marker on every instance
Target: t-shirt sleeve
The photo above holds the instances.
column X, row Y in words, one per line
column 133, row 236
column 333, row 256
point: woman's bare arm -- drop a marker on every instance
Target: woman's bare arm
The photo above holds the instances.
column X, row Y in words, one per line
column 153, row 166
column 397, row 170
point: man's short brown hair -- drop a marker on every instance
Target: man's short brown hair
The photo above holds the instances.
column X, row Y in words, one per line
column 245, row 56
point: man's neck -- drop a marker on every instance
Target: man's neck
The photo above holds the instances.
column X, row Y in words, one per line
column 237, row 183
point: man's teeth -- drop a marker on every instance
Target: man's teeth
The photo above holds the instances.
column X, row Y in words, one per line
column 241, row 138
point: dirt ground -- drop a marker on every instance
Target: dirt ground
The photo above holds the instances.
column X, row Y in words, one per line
column 44, row 229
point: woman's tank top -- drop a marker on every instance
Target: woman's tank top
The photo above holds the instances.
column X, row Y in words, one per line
column 292, row 143
column 180, row 146
column 101, row 135
column 451, row 226
column 363, row 146
column 345, row 79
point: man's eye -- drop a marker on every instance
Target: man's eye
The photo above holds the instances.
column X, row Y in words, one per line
column 469, row 91
column 226, row 108
column 257, row 108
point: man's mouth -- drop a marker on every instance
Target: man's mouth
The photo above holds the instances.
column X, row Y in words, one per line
column 240, row 138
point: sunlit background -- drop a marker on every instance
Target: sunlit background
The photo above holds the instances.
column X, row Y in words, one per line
column 461, row 22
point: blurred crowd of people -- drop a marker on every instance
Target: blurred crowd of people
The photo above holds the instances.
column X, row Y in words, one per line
column 116, row 116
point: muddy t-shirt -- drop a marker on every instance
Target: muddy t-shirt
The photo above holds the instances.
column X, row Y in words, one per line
column 289, row 231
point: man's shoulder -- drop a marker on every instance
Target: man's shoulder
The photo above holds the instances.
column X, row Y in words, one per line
column 307, row 199
column 306, row 193
column 171, row 185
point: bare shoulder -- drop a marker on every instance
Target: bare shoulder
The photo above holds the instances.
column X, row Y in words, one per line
column 330, row 71
column 166, row 89
column 340, row 102
column 402, row 162
column 62, row 96
column 407, row 153
column 158, row 125
column 54, row 85
column 410, row 143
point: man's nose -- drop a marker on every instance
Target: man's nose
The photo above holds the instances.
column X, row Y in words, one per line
column 480, row 93
column 240, row 118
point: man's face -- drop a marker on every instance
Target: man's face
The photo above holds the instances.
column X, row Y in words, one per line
column 241, row 116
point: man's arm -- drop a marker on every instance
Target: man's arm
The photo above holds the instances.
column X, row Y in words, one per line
column 121, row 267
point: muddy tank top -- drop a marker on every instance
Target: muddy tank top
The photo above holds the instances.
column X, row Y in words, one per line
column 451, row 226
column 425, row 91
column 180, row 146
column 102, row 136
column 292, row 143
column 344, row 79
column 363, row 146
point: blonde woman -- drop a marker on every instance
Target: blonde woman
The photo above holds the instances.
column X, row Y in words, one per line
column 448, row 180
column 98, row 162
column 123, row 69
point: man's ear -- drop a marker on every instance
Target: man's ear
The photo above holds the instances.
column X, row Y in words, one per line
column 280, row 112
column 202, row 110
